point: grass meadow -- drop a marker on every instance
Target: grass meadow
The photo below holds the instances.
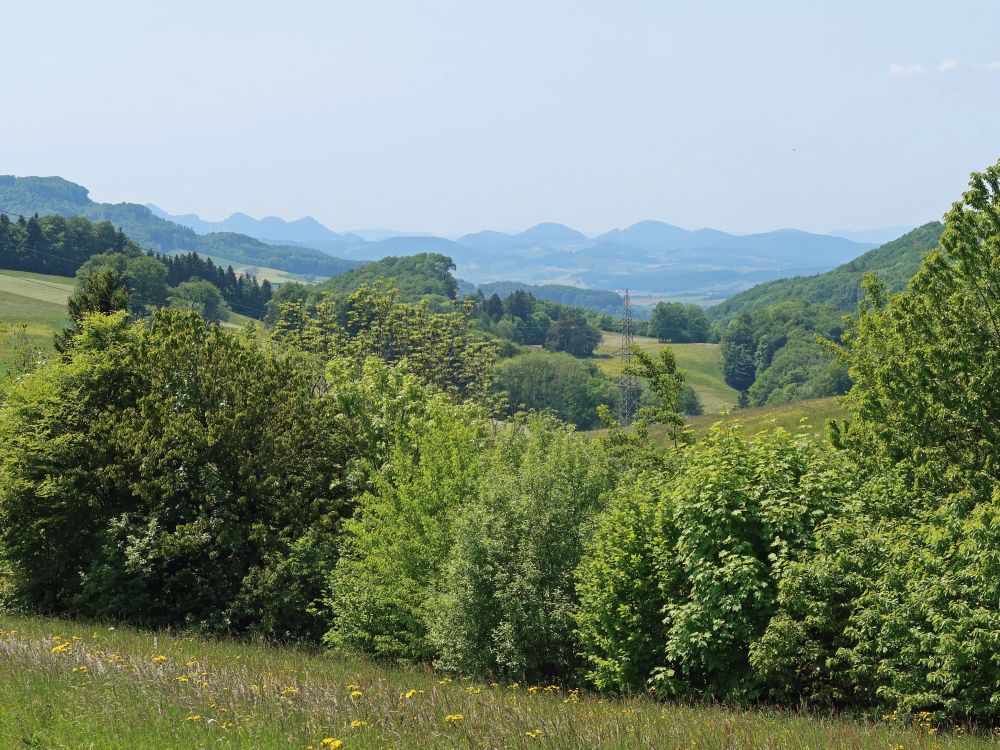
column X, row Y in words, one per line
column 79, row 685
column 32, row 309
column 700, row 363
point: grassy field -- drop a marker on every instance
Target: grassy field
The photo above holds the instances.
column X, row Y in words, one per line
column 38, row 303
column 32, row 309
column 701, row 364
column 792, row 417
column 274, row 275
column 78, row 685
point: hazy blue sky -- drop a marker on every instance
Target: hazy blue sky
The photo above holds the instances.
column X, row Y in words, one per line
column 456, row 115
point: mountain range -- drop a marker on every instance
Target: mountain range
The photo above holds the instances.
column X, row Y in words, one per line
column 652, row 257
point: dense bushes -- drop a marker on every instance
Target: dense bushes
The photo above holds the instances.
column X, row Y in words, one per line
column 571, row 388
column 349, row 479
column 507, row 596
column 681, row 576
column 900, row 606
column 170, row 473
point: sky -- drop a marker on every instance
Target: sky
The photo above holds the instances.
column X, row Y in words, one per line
column 451, row 116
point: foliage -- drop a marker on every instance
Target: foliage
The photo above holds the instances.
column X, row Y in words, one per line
column 899, row 608
column 572, row 334
column 894, row 262
column 414, row 277
column 102, row 289
column 776, row 355
column 440, row 348
column 620, row 617
column 202, row 297
column 692, row 584
column 507, row 597
column 678, row 323
column 394, row 547
column 56, row 245
column 569, row 387
column 597, row 300
column 169, row 473
column 666, row 385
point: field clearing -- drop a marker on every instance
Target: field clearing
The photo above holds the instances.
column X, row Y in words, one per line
column 37, row 286
column 79, row 685
column 31, row 312
column 700, row 363
column 274, row 275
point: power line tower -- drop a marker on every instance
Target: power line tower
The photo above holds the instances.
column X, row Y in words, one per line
column 628, row 387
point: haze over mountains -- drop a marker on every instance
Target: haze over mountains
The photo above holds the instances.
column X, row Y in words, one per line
column 656, row 259
column 650, row 256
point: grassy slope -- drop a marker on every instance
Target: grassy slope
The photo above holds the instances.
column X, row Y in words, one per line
column 274, row 275
column 701, row 364
column 76, row 685
column 36, row 301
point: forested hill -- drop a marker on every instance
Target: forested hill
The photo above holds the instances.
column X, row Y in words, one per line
column 894, row 262
column 413, row 276
column 598, row 300
column 54, row 195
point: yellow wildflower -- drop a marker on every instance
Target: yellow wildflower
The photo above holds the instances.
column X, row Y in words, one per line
column 159, row 658
column 452, row 718
column 357, row 724
column 356, row 694
column 331, row 743
column 193, row 717
column 533, row 735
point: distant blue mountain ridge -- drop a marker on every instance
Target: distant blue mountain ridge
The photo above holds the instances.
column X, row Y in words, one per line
column 651, row 257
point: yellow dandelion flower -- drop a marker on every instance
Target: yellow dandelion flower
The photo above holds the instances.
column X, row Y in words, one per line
column 193, row 717
column 330, row 742
column 534, row 734
column 356, row 694
column 452, row 718
column 182, row 678
column 227, row 725
column 533, row 689
column 159, row 658
column 63, row 648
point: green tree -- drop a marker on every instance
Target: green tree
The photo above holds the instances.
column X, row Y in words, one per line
column 738, row 367
column 200, row 479
column 101, row 290
column 201, row 297
column 898, row 608
column 507, row 597
column 681, row 576
column 666, row 383
column 571, row 388
column 147, row 282
column 574, row 335
column 395, row 546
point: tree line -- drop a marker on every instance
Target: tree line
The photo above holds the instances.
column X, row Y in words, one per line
column 62, row 246
column 347, row 481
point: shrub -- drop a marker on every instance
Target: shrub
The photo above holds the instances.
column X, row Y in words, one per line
column 507, row 597
column 715, row 538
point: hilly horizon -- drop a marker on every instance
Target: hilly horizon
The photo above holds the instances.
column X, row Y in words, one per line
column 655, row 259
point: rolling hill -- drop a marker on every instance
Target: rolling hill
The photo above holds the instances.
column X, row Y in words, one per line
column 54, row 195
column 895, row 262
